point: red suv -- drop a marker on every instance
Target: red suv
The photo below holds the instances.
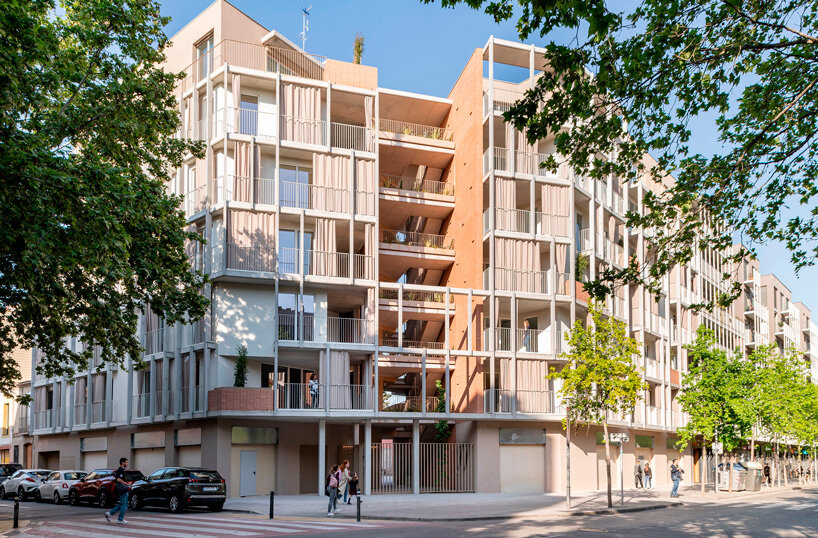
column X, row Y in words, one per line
column 98, row 487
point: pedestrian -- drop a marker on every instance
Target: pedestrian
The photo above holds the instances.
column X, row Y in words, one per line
column 527, row 335
column 313, row 384
column 637, row 475
column 676, row 473
column 648, row 476
column 332, row 490
column 767, row 476
column 343, row 483
column 353, row 487
column 121, row 489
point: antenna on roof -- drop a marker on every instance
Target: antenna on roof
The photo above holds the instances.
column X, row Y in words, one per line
column 305, row 26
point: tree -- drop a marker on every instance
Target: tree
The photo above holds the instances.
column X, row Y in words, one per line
column 600, row 378
column 358, row 48
column 714, row 392
column 629, row 84
column 442, row 430
column 89, row 236
column 240, row 367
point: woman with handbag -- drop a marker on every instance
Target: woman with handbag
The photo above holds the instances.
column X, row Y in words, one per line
column 333, row 479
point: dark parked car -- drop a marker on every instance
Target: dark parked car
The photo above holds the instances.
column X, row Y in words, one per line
column 8, row 469
column 98, row 487
column 179, row 488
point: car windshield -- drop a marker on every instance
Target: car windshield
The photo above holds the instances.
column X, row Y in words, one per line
column 74, row 475
column 205, row 476
column 41, row 474
column 133, row 476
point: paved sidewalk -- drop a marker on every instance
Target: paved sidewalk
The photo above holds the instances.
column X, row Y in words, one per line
column 478, row 506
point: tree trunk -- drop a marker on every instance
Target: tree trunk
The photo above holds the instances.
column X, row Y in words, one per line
column 753, row 446
column 568, row 464
column 786, row 478
column 608, row 461
column 730, row 473
column 703, row 467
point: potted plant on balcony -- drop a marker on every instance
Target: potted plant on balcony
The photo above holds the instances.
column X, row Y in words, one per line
column 240, row 368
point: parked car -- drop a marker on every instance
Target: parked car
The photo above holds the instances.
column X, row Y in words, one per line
column 98, row 487
column 8, row 469
column 23, row 482
column 179, row 488
column 56, row 485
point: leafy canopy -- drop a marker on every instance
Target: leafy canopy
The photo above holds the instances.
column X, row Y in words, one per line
column 600, row 376
column 88, row 234
column 634, row 77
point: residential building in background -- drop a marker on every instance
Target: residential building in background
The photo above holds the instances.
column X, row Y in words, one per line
column 389, row 260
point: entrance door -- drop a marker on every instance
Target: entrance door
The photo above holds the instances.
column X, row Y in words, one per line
column 308, row 463
column 247, row 473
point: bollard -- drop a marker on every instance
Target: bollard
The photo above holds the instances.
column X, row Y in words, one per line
column 358, row 515
column 16, row 511
column 272, row 503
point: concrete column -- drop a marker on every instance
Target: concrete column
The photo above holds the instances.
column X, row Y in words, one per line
column 416, row 457
column 368, row 457
column 322, row 454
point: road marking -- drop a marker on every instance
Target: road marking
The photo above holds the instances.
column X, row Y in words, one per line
column 129, row 528
column 802, row 506
column 324, row 524
column 151, row 523
column 250, row 524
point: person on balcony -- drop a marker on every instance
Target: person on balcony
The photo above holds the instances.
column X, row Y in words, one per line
column 526, row 335
column 313, row 385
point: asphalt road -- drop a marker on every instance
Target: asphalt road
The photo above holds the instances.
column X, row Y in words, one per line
column 786, row 514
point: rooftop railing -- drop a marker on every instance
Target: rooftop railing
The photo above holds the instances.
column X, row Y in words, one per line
column 416, row 129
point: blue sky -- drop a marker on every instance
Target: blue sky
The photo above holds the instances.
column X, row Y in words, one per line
column 422, row 48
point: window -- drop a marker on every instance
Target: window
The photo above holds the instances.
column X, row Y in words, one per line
column 6, row 409
column 157, row 474
column 294, row 186
column 53, row 476
column 75, row 475
column 204, row 54
column 248, row 115
column 91, row 476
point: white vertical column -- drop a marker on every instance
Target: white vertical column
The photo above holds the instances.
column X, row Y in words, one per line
column 492, row 224
column 322, row 454
column 368, row 457
column 416, row 457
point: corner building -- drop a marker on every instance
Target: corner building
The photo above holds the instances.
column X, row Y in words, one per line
column 405, row 250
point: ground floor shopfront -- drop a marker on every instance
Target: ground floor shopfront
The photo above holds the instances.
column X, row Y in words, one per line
column 257, row 455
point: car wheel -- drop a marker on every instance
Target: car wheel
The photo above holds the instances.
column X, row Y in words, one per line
column 216, row 507
column 103, row 499
column 57, row 498
column 73, row 498
column 175, row 504
column 21, row 493
column 2, row 492
column 136, row 504
column 38, row 497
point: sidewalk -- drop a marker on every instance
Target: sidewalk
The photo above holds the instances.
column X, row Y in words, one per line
column 483, row 506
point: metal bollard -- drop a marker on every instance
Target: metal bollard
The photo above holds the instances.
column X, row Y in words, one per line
column 272, row 503
column 16, row 511
column 358, row 514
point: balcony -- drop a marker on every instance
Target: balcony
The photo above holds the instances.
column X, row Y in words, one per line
column 525, row 162
column 195, row 201
column 617, row 204
column 503, row 100
column 401, row 249
column 417, row 305
column 185, row 395
column 406, row 343
column 103, row 411
column 311, row 328
column 526, row 401
column 526, row 340
column 292, row 396
column 80, row 416
column 425, row 186
column 21, row 425
column 545, row 282
column 43, row 419
column 520, row 221
column 402, row 131
column 653, row 369
column 326, row 264
column 153, row 342
column 398, row 403
column 653, row 416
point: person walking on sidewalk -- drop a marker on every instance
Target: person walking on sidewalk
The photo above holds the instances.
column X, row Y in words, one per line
column 332, row 490
column 343, row 483
column 648, row 476
column 353, row 487
column 121, row 488
column 637, row 475
column 676, row 473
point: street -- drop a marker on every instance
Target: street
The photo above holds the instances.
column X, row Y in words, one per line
column 783, row 513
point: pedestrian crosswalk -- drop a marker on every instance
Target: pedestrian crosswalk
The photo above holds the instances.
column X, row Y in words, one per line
column 195, row 526
column 792, row 504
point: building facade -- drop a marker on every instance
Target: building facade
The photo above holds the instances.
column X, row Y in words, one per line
column 389, row 261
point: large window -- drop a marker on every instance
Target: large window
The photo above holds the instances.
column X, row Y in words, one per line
column 295, row 186
column 204, row 53
column 288, row 246
column 248, row 115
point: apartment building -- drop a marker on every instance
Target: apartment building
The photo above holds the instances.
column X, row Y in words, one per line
column 389, row 261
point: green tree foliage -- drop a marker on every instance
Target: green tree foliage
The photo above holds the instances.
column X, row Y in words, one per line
column 358, row 48
column 240, row 367
column 600, row 378
column 442, row 430
column 656, row 66
column 88, row 234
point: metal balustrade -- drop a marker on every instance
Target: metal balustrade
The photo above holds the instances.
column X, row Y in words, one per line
column 333, row 329
column 399, row 403
column 417, row 185
column 303, row 130
column 416, row 129
column 411, row 344
column 503, row 100
column 99, row 411
column 256, row 190
column 196, row 200
column 415, row 295
column 523, row 281
column 527, row 401
column 142, row 405
column 298, row 396
column 416, row 239
column 355, row 137
column 153, row 341
column 525, row 340
column 80, row 414
column 261, row 258
column 500, row 160
column 43, row 419
column 198, row 399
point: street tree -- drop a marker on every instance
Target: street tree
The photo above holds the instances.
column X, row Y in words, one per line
column 89, row 236
column 630, row 80
column 600, row 378
column 713, row 395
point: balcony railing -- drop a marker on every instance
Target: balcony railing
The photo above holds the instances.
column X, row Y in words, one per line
column 43, row 419
column 527, row 401
column 415, row 239
column 584, row 183
column 355, row 137
column 416, row 129
column 304, row 130
column 260, row 258
column 320, row 263
column 142, row 405
column 246, row 121
column 522, row 281
column 153, row 341
column 417, row 185
column 348, row 397
column 500, row 160
column 80, row 416
column 519, row 221
column 525, row 340
column 399, row 403
column 414, row 295
column 528, row 162
column 198, row 399
column 503, row 100
column 99, row 411
column 196, row 200
column 411, row 344
column 292, row 327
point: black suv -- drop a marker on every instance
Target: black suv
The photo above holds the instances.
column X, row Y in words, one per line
column 179, row 488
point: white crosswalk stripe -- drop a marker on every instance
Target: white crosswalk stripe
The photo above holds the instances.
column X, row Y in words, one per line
column 802, row 506
column 149, row 530
column 328, row 524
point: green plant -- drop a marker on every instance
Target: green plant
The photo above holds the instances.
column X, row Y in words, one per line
column 582, row 264
column 358, row 48
column 240, row 368
column 407, row 130
column 442, row 430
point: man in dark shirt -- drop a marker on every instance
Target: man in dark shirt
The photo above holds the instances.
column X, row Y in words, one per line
column 121, row 488
column 676, row 477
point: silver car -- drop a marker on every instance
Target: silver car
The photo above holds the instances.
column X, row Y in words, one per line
column 56, row 485
column 23, row 483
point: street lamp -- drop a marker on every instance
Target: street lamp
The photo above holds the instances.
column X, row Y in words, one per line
column 621, row 438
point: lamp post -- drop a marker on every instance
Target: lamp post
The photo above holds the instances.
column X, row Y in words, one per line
column 621, row 438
